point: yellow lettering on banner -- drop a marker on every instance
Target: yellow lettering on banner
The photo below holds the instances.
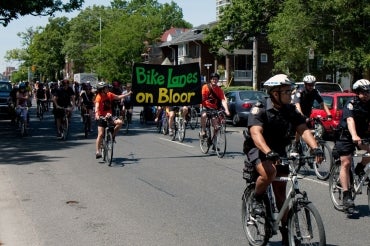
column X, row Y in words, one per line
column 142, row 97
column 183, row 98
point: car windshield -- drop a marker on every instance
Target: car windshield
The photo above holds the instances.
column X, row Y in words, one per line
column 252, row 95
column 327, row 87
column 5, row 87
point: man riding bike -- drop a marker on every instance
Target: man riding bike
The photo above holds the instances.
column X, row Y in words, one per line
column 269, row 128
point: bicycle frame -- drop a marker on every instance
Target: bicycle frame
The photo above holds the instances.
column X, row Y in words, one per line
column 288, row 203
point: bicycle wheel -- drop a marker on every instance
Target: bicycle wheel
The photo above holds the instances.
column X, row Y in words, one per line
column 181, row 129
column 127, row 123
column 86, row 125
column 323, row 170
column 256, row 228
column 205, row 143
column 142, row 120
column 368, row 195
column 65, row 128
column 22, row 127
column 193, row 118
column 165, row 125
column 335, row 188
column 109, row 148
column 40, row 112
column 305, row 226
column 220, row 142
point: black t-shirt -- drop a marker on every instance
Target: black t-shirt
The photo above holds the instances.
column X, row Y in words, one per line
column 306, row 99
column 40, row 93
column 64, row 97
column 360, row 112
column 278, row 125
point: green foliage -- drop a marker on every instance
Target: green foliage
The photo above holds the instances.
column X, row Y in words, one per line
column 337, row 31
column 12, row 9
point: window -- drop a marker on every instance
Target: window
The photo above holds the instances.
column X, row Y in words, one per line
column 264, row 58
column 183, row 50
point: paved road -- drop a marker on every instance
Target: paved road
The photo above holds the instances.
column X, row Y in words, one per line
column 158, row 192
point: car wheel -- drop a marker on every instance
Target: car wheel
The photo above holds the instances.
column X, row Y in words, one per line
column 236, row 120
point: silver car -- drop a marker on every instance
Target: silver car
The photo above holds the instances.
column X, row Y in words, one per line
column 240, row 103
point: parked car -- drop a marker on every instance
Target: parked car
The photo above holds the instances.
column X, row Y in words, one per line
column 323, row 87
column 240, row 103
column 335, row 102
column 5, row 89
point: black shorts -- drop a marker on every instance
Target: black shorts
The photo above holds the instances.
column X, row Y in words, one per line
column 344, row 147
column 255, row 156
column 59, row 113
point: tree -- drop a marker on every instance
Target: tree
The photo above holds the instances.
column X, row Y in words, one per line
column 10, row 10
column 46, row 48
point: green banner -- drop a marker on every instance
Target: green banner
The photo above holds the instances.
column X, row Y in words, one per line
column 166, row 85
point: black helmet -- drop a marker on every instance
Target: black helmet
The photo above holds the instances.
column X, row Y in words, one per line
column 215, row 75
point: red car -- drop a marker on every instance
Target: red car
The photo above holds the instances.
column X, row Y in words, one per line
column 335, row 102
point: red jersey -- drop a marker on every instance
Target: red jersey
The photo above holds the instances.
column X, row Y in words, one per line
column 105, row 103
column 208, row 99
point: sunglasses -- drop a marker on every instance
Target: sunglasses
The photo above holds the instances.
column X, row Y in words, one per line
column 286, row 92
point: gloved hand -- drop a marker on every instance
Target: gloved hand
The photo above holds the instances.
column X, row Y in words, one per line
column 272, row 156
column 317, row 152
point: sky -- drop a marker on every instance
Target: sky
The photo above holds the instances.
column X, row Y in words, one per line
column 196, row 12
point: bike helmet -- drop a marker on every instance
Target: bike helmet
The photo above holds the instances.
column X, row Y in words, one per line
column 22, row 85
column 215, row 75
column 362, row 85
column 101, row 85
column 309, row 79
column 277, row 81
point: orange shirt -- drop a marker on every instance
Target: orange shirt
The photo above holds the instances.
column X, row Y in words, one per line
column 208, row 99
column 105, row 103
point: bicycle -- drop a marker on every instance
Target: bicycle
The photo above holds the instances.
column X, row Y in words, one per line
column 107, row 145
column 215, row 136
column 127, row 119
column 41, row 108
column 86, row 120
column 64, row 125
column 356, row 181
column 20, row 120
column 192, row 117
column 304, row 222
column 322, row 170
column 179, row 126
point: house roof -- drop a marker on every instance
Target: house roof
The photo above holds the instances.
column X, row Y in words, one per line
column 171, row 33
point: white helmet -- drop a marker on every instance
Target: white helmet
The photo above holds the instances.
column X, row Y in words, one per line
column 362, row 85
column 309, row 79
column 277, row 81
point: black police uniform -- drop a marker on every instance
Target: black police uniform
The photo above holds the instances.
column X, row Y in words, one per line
column 277, row 128
column 360, row 112
column 306, row 99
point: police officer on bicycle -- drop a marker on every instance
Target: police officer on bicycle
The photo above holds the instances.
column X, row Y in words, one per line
column 270, row 128
column 353, row 127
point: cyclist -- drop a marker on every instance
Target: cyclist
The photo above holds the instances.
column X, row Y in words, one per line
column 171, row 116
column 269, row 129
column 64, row 98
column 303, row 100
column 116, row 89
column 103, row 108
column 127, row 102
column 40, row 97
column 353, row 126
column 87, row 101
column 213, row 98
column 22, row 98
